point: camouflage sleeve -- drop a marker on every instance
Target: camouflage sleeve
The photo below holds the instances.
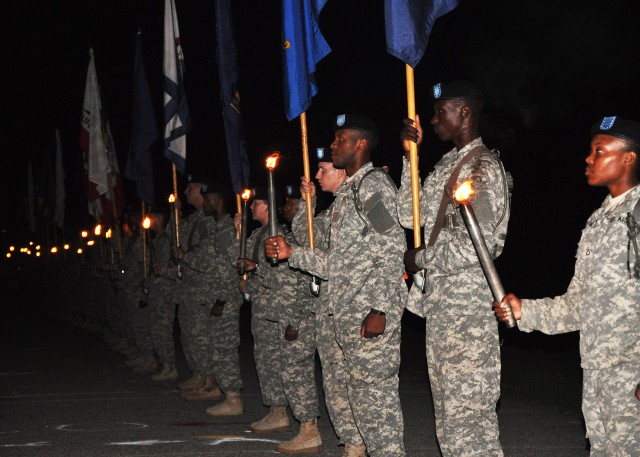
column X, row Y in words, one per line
column 454, row 250
column 404, row 199
column 553, row 315
column 202, row 257
column 299, row 224
column 313, row 261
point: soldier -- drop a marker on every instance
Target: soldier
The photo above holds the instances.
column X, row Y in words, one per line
column 602, row 301
column 462, row 343
column 365, row 291
column 162, row 304
column 195, row 257
column 225, row 312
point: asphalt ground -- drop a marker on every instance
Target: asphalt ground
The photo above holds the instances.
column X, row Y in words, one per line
column 64, row 393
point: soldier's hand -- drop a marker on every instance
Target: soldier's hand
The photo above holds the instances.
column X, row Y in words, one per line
column 177, row 253
column 245, row 265
column 237, row 221
column 638, row 391
column 243, row 286
column 277, row 248
column 290, row 334
column 410, row 265
column 217, row 308
column 307, row 187
column 502, row 308
column 373, row 325
column 410, row 131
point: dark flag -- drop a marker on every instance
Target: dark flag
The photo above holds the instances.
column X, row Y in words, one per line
column 176, row 112
column 408, row 25
column 303, row 47
column 144, row 132
column 231, row 112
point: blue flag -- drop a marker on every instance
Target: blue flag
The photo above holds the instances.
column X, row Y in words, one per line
column 144, row 132
column 408, row 24
column 231, row 112
column 176, row 112
column 303, row 46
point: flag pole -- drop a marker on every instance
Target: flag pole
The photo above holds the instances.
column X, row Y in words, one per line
column 144, row 244
column 116, row 218
column 307, row 176
column 176, row 210
column 413, row 159
column 239, row 211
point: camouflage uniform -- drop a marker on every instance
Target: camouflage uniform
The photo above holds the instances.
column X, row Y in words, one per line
column 162, row 304
column 463, row 352
column 225, row 329
column 363, row 268
column 266, row 333
column 603, row 303
column 196, row 289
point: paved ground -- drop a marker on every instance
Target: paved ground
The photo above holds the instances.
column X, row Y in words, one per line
column 63, row 393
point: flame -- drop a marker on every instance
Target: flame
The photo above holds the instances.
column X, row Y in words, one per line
column 90, row 243
column 172, row 199
column 464, row 192
column 246, row 194
column 272, row 161
column 79, row 251
column 30, row 243
column 37, row 247
column 37, row 254
column 66, row 247
column 8, row 255
column 12, row 248
column 84, row 234
column 146, row 223
column 54, row 250
column 98, row 230
column 107, row 235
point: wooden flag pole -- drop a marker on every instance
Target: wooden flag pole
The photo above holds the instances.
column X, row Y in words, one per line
column 115, row 216
column 176, row 209
column 144, row 244
column 413, row 159
column 307, row 176
column 239, row 211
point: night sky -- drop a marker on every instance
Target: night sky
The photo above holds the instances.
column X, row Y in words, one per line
column 549, row 69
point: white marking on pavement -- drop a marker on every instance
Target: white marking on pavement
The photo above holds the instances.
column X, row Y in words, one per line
column 236, row 439
column 78, row 428
column 144, row 442
column 37, row 444
column 11, row 431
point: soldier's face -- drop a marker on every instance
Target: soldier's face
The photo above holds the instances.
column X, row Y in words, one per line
column 192, row 192
column 608, row 162
column 209, row 204
column 447, row 119
column 260, row 211
column 344, row 148
column 328, row 177
column 290, row 209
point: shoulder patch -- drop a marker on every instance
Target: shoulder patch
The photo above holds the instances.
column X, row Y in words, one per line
column 380, row 218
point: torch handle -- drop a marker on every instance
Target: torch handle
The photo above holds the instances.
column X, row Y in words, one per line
column 273, row 214
column 488, row 267
column 243, row 235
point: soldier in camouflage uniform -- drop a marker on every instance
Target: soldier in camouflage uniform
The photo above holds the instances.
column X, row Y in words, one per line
column 462, row 343
column 197, row 256
column 365, row 291
column 603, row 298
column 162, row 305
column 225, row 301
column 265, row 330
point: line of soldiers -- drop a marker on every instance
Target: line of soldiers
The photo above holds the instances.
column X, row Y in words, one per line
column 360, row 257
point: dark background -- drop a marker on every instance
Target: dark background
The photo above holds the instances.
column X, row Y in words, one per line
column 548, row 69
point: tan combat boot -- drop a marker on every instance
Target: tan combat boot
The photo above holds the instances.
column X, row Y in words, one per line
column 276, row 421
column 352, row 450
column 231, row 406
column 208, row 391
column 148, row 366
column 167, row 372
column 194, row 382
column 307, row 441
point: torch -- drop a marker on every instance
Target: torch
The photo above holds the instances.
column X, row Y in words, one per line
column 176, row 231
column 272, row 163
column 246, row 196
column 146, row 223
column 461, row 200
column 97, row 231
column 107, row 235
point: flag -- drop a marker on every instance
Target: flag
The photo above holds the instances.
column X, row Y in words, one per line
column 102, row 174
column 231, row 112
column 176, row 112
column 303, row 47
column 408, row 24
column 144, row 132
column 58, row 215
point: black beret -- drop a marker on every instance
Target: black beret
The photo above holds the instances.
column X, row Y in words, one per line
column 354, row 121
column 202, row 179
column 455, row 90
column 292, row 191
column 618, row 127
column 260, row 193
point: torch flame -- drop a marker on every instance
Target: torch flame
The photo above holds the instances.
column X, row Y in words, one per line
column 463, row 192
column 246, row 194
column 90, row 243
column 66, row 247
column 146, row 223
column 98, row 230
column 79, row 251
column 54, row 250
column 108, row 234
column 172, row 199
column 84, row 234
column 272, row 161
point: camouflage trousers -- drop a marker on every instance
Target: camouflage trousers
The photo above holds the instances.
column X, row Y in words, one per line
column 612, row 411
column 266, row 353
column 162, row 310
column 117, row 317
column 372, row 366
column 198, row 336
column 298, row 369
column 334, row 381
column 184, row 321
column 139, row 318
column 225, row 344
column 463, row 358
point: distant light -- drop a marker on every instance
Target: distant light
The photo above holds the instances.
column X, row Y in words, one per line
column 54, row 250
column 79, row 251
column 12, row 248
column 66, row 247
column 28, row 252
column 90, row 243
column 8, row 255
column 84, row 234
column 30, row 243
column 108, row 234
column 98, row 230
column 38, row 254
column 37, row 247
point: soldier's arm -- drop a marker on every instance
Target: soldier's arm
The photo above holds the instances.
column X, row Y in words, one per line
column 404, row 199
